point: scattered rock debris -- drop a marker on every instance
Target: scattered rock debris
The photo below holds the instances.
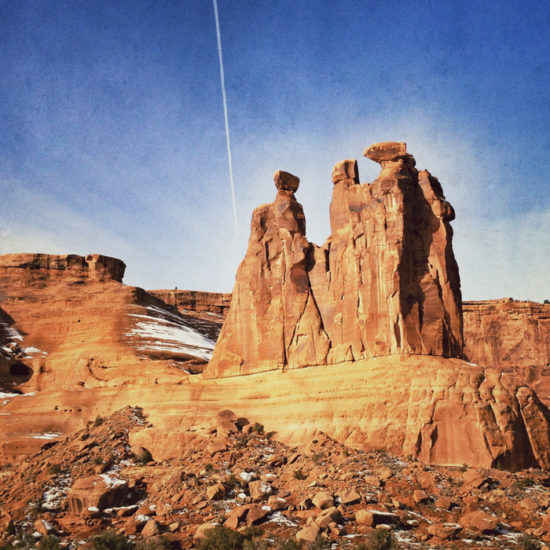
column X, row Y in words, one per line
column 324, row 494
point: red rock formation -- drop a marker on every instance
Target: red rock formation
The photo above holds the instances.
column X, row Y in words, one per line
column 73, row 322
column 187, row 301
column 93, row 266
column 273, row 321
column 385, row 282
column 513, row 336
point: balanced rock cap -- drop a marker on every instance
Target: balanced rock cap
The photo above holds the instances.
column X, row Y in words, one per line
column 345, row 170
column 386, row 150
column 284, row 181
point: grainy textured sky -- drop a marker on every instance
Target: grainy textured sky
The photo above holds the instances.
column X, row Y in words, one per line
column 112, row 134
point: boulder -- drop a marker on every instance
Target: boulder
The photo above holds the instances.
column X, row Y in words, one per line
column 479, row 521
column 97, row 492
column 372, row 518
column 322, row 500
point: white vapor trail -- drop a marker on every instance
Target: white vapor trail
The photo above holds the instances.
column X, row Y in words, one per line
column 222, row 78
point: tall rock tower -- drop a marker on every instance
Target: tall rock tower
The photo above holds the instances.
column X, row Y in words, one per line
column 385, row 282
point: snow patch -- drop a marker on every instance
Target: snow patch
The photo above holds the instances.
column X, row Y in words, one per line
column 169, row 333
column 110, row 481
column 247, row 476
column 4, row 395
column 280, row 519
column 12, row 333
column 46, row 435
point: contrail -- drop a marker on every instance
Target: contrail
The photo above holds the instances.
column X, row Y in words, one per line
column 222, row 78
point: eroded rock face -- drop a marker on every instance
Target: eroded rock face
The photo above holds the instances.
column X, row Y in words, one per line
column 385, row 282
column 93, row 266
column 273, row 321
column 511, row 335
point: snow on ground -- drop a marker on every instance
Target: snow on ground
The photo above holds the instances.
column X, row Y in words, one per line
column 4, row 395
column 47, row 435
column 166, row 331
column 11, row 332
column 110, row 481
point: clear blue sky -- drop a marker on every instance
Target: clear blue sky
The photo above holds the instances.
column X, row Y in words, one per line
column 112, row 134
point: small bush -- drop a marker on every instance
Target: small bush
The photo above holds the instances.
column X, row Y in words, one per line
column 289, row 544
column 10, row 529
column 318, row 458
column 320, row 543
column 49, row 543
column 144, row 456
column 109, row 540
column 241, row 441
column 529, row 543
column 298, row 474
column 233, row 482
column 98, row 461
column 209, row 467
column 381, row 539
column 253, row 532
column 55, row 469
column 222, row 538
column 98, row 421
column 258, row 428
column 162, row 543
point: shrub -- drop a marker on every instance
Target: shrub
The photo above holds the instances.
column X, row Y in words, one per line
column 162, row 543
column 298, row 474
column 98, row 421
column 253, row 532
column 49, row 543
column 241, row 441
column 144, row 456
column 289, row 544
column 98, row 461
column 10, row 529
column 109, row 540
column 529, row 543
column 209, row 467
column 258, row 428
column 54, row 469
column 318, row 458
column 233, row 482
column 221, row 538
column 380, row 539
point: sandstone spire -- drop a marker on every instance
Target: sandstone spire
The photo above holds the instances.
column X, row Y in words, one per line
column 385, row 282
column 273, row 321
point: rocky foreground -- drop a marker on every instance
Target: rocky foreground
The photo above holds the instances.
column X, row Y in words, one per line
column 95, row 484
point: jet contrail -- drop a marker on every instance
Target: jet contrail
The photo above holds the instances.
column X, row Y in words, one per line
column 222, row 78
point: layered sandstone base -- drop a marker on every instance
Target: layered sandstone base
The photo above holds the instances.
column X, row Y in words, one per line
column 440, row 411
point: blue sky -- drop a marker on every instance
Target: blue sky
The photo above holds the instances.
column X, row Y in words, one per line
column 112, row 133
